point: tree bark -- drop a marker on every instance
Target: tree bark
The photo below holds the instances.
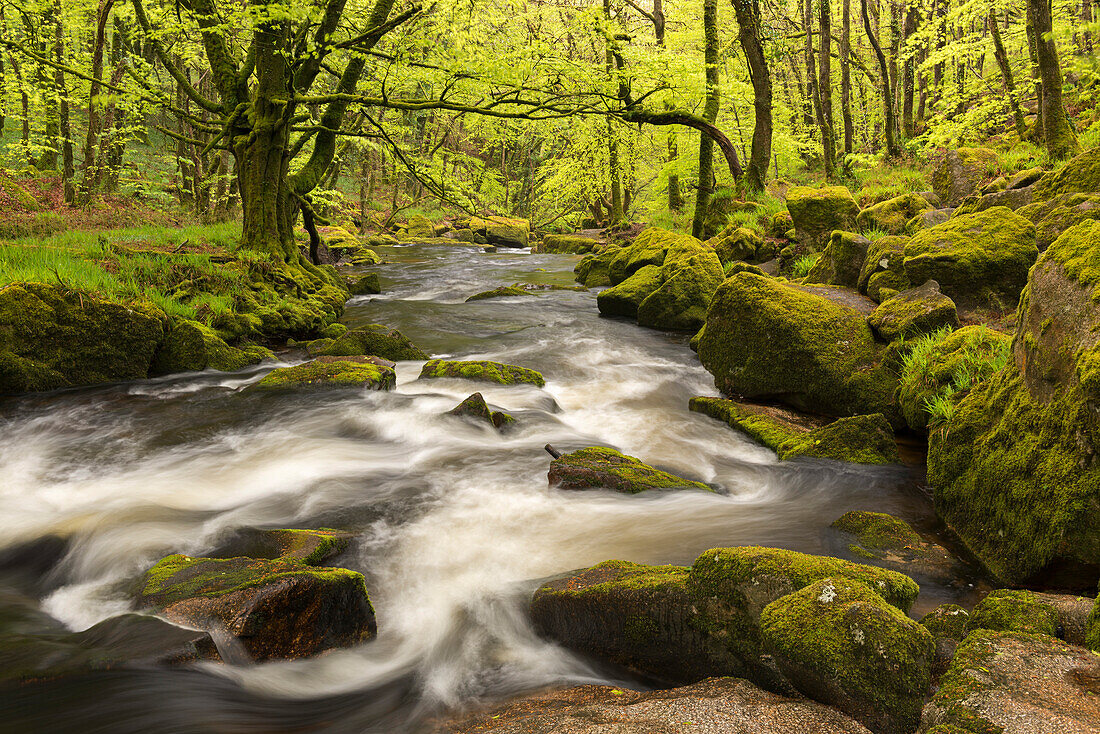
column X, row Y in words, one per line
column 824, row 90
column 88, row 167
column 710, row 114
column 846, row 75
column 893, row 150
column 675, row 195
column 908, row 86
column 1058, row 134
column 1006, row 75
column 748, row 35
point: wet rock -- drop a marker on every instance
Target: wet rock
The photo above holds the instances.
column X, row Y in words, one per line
column 1016, row 683
column 327, row 372
column 501, row 420
column 366, row 285
column 1054, row 216
column 715, row 705
column 959, row 172
column 816, row 212
column 979, row 260
column 840, row 643
column 808, row 347
column 475, row 408
column 51, row 337
column 864, row 439
column 884, row 540
column 1019, row 451
column 884, row 266
column 502, row 231
column 842, row 260
column 482, row 370
column 947, row 625
column 190, row 346
column 309, row 546
column 687, row 285
column 419, row 226
column 599, row 467
column 567, row 244
column 677, row 624
column 275, row 608
column 315, row 347
column 891, row 216
column 1080, row 175
column 1017, row 610
column 740, row 245
column 376, row 340
column 504, row 291
column 625, row 298
column 594, row 269
column 913, row 312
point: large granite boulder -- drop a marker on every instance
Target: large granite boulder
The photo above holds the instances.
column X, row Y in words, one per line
column 1080, row 175
column 842, row 260
column 959, row 173
column 1054, row 216
column 892, row 215
column 593, row 270
column 623, row 299
column 189, row 345
column 816, row 212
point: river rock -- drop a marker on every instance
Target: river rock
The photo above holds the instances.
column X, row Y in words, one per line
column 808, row 347
column 51, row 337
column 648, row 248
column 947, row 625
column 190, row 345
column 959, row 172
column 913, row 312
column 840, row 643
column 816, row 212
column 418, row 227
column 1016, row 683
column 623, row 299
column 275, row 608
column 1018, row 455
column 600, row 467
column 979, row 260
column 309, row 546
column 864, row 439
column 842, row 260
column 376, row 340
column 328, row 372
column 567, row 244
column 715, row 705
column 482, row 371
column 687, row 285
column 1018, row 610
column 504, row 291
column 366, row 285
column 889, row 542
column 593, row 270
column 1081, row 175
column 475, row 408
column 892, row 215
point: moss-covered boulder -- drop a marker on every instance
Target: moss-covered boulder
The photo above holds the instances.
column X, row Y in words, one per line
column 504, row 291
column 959, row 173
column 599, row 467
column 892, row 215
column 927, row 219
column 1014, row 610
column 816, row 212
column 947, row 621
column 189, row 345
column 419, row 227
column 887, row 541
column 913, row 312
column 840, row 643
column 1056, row 215
column 476, row 409
column 377, row 340
column 594, row 269
column 780, row 224
column 1014, row 471
column 1016, row 683
column 648, row 248
column 275, row 608
column 680, row 625
column 808, row 347
column 332, row 372
column 979, row 260
column 365, row 285
column 862, row 439
column 309, row 546
column 567, row 244
column 482, row 371
column 1081, row 175
column 687, row 285
column 625, row 298
column 842, row 260
column 740, row 245
column 884, row 267
column 51, row 337
column 1010, row 198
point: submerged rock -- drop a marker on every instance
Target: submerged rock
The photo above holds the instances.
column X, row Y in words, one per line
column 351, row 371
column 376, row 340
column 887, row 541
column 816, row 212
column 308, row 546
column 808, row 347
column 715, row 705
column 864, row 439
column 841, row 643
column 599, row 467
column 275, row 608
column 366, row 285
column 913, row 312
column 482, row 370
column 1016, row 683
column 979, row 260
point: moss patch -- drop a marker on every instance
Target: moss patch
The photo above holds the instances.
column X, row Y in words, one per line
column 1014, row 610
column 342, row 373
column 376, row 340
column 483, row 371
column 913, row 312
column 599, row 467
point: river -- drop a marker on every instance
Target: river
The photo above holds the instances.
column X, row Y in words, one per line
column 455, row 524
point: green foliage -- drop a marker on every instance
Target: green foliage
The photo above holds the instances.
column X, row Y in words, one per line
column 802, row 266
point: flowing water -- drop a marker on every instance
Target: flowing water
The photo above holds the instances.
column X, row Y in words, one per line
column 455, row 523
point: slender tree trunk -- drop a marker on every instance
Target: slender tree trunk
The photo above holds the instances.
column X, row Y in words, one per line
column 710, row 114
column 1036, row 79
column 675, row 195
column 25, row 132
column 88, row 172
column 1006, row 75
column 846, row 75
column 1058, row 134
column 1085, row 48
column 907, row 73
column 824, row 91
column 893, row 150
column 748, row 35
column 813, row 103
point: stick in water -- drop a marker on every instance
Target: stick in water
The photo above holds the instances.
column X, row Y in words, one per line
column 552, row 451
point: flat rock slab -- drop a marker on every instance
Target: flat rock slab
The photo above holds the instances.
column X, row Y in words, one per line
column 599, row 467
column 1017, row 683
column 714, row 706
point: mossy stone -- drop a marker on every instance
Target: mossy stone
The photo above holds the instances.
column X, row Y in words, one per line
column 567, row 244
column 190, row 345
column 625, row 298
column 842, row 260
column 504, row 291
column 892, row 215
column 1014, row 610
column 598, row 467
column 914, row 312
column 648, row 248
column 816, row 212
column 738, row 246
column 377, row 340
column 483, row 371
column 841, row 643
column 1080, row 175
column 310, row 546
column 947, row 621
column 687, row 285
column 1054, row 216
column 366, row 285
column 927, row 219
column 322, row 373
column 419, row 226
column 959, row 173
column 593, row 270
column 475, row 408
column 890, row 542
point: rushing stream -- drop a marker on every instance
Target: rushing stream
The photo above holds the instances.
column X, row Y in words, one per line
column 455, row 524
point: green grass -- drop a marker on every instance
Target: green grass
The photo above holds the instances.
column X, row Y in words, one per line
column 885, row 182
column 801, row 267
column 1021, row 156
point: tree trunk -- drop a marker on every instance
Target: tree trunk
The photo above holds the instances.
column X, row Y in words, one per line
column 893, row 150
column 813, row 103
column 88, row 167
column 1006, row 75
column 1058, row 134
column 824, row 91
column 1036, row 79
column 675, row 195
column 846, row 75
column 748, row 35
column 907, row 74
column 710, row 114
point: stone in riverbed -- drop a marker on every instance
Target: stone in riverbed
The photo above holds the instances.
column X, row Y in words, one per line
column 361, row 371
column 886, row 541
column 1015, row 683
column 883, row 267
column 599, row 467
column 1018, row 610
column 190, row 345
column 476, row 409
column 623, row 299
column 308, row 546
column 816, row 212
column 366, row 285
column 275, row 608
column 567, row 244
column 593, row 270
column 504, row 291
column 482, row 371
column 377, row 340
column 841, row 643
column 717, row 705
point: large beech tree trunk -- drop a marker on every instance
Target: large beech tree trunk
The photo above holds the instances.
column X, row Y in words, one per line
column 710, row 114
column 748, row 35
column 1059, row 136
